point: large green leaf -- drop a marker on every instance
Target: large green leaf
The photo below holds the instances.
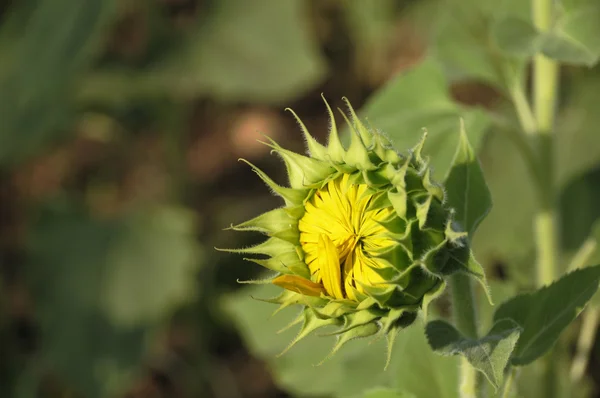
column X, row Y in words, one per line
column 545, row 313
column 505, row 236
column 51, row 43
column 578, row 157
column 489, row 354
column 356, row 368
column 575, row 37
column 387, row 393
column 580, row 211
column 459, row 43
column 67, row 256
column 463, row 37
column 254, row 51
column 577, row 142
column 150, row 266
column 370, row 26
column 417, row 100
column 259, row 51
column 466, row 190
column 516, row 36
column 76, row 261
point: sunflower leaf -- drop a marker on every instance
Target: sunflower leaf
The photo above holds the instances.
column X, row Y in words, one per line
column 490, row 354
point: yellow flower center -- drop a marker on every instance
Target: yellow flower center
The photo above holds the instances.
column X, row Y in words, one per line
column 340, row 236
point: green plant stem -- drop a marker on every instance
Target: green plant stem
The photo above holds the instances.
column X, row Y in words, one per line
column 584, row 253
column 546, row 230
column 545, row 83
column 465, row 319
column 463, row 302
column 524, row 112
column 545, row 71
column 589, row 325
column 506, row 389
column 529, row 125
column 468, row 379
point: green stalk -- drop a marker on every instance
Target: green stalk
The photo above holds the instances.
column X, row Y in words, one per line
column 546, row 229
column 463, row 301
column 584, row 253
column 508, row 382
column 589, row 325
column 546, row 232
column 468, row 379
column 545, row 84
column 545, row 71
column 465, row 319
column 524, row 112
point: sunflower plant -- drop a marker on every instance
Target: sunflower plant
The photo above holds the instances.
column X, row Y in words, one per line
column 368, row 237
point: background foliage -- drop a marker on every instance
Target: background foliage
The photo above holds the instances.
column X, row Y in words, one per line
column 120, row 126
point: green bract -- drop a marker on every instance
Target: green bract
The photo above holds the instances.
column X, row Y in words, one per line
column 364, row 241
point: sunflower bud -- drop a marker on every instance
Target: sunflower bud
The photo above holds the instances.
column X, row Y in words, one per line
column 364, row 241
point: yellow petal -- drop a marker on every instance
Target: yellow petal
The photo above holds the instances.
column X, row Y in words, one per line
column 329, row 264
column 299, row 285
column 349, row 276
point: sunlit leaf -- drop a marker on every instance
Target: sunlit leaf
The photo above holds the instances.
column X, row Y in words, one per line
column 580, row 212
column 260, row 52
column 545, row 313
column 490, row 354
column 575, row 38
column 417, row 100
column 576, row 129
column 150, row 266
column 516, row 37
column 356, row 368
column 463, row 38
column 505, row 236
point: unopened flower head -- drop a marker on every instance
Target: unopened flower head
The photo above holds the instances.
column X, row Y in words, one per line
column 364, row 240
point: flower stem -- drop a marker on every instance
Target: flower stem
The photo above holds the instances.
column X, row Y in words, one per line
column 545, row 71
column 463, row 301
column 584, row 253
column 506, row 389
column 589, row 325
column 546, row 241
column 545, row 84
column 465, row 319
column 546, row 229
column 545, row 89
column 524, row 112
column 468, row 379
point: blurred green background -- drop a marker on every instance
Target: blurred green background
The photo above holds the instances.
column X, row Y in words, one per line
column 121, row 123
